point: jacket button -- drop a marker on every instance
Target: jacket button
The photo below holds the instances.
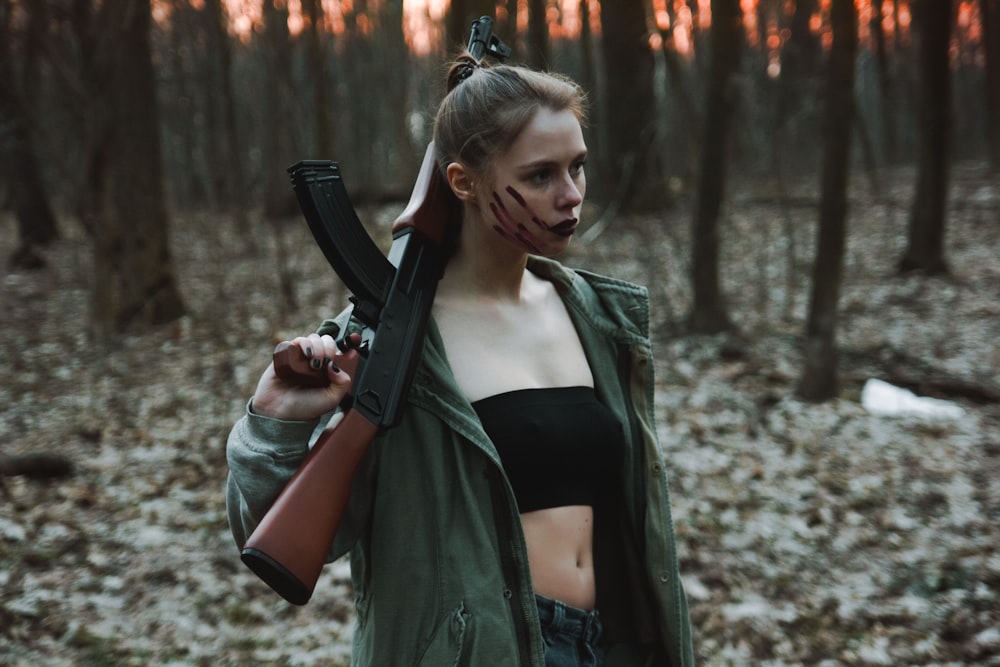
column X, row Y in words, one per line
column 507, row 594
column 656, row 468
column 664, row 577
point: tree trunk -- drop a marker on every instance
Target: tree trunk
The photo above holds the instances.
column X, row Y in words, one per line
column 133, row 270
column 796, row 87
column 798, row 59
column 506, row 27
column 36, row 223
column 276, row 150
column 588, row 81
column 538, row 35
column 679, row 88
column 889, row 124
column 92, row 125
column 402, row 158
column 192, row 177
column 991, row 40
column 235, row 171
column 709, row 313
column 313, row 10
column 630, row 110
column 461, row 14
column 588, row 78
column 925, row 242
column 819, row 377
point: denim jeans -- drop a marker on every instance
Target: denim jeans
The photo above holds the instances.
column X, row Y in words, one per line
column 570, row 634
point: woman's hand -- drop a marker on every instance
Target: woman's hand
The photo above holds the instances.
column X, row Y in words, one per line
column 277, row 398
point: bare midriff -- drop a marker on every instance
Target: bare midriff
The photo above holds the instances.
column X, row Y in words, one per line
column 560, row 553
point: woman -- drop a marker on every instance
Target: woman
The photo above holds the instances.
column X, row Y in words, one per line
column 518, row 515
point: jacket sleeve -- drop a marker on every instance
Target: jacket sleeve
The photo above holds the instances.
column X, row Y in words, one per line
column 263, row 453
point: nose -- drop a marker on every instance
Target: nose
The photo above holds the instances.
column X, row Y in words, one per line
column 572, row 191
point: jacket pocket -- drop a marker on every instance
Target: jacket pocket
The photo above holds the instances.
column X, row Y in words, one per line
column 447, row 645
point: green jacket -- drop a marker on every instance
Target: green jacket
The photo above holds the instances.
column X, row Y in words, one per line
column 438, row 559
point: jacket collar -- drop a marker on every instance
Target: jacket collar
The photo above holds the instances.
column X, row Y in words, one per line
column 612, row 309
column 615, row 308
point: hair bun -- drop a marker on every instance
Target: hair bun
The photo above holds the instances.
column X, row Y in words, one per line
column 463, row 67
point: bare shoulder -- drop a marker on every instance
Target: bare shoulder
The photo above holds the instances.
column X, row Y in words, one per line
column 495, row 346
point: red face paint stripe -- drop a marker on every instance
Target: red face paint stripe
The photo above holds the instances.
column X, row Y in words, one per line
column 564, row 228
column 516, row 195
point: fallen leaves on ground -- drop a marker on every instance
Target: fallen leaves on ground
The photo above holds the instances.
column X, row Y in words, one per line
column 809, row 534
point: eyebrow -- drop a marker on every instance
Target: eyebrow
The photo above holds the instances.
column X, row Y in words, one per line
column 582, row 155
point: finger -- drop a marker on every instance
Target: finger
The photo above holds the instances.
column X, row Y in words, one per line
column 337, row 374
column 350, row 342
column 317, row 349
column 307, row 344
column 347, row 361
column 327, row 346
column 291, row 366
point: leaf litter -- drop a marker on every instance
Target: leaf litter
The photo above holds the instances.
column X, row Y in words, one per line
column 809, row 534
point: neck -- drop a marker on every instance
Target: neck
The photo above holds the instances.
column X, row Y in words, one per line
column 485, row 267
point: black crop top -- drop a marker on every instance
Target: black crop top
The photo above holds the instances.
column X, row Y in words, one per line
column 559, row 446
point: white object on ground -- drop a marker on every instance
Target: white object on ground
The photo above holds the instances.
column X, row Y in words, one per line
column 882, row 398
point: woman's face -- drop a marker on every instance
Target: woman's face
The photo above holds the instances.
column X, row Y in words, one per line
column 539, row 185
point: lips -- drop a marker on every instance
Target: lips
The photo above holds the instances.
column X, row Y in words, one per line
column 514, row 228
column 565, row 228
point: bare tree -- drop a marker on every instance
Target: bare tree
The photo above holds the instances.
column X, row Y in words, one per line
column 538, row 35
column 461, row 14
column 925, row 241
column 19, row 163
column 991, row 39
column 681, row 90
column 819, row 377
column 277, row 151
column 588, row 78
column 630, row 110
column 235, row 174
column 314, row 39
column 133, row 270
column 192, row 173
column 709, row 313
column 395, row 60
column 796, row 114
column 799, row 58
column 882, row 62
column 91, row 48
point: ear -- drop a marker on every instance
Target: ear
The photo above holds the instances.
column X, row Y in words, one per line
column 460, row 181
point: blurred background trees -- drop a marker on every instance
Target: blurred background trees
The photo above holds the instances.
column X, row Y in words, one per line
column 243, row 88
column 819, row 375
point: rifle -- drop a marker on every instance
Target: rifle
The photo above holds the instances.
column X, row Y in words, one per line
column 392, row 299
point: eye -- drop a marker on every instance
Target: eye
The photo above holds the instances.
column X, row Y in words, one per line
column 576, row 169
column 540, row 177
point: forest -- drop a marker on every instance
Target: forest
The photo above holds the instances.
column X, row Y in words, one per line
column 810, row 190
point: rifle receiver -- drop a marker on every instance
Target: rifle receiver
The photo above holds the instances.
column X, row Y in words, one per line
column 482, row 41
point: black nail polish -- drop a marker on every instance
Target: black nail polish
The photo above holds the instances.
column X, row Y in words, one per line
column 335, row 367
column 309, row 353
column 316, row 363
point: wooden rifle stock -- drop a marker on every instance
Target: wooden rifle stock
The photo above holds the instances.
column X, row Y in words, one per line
column 288, row 548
